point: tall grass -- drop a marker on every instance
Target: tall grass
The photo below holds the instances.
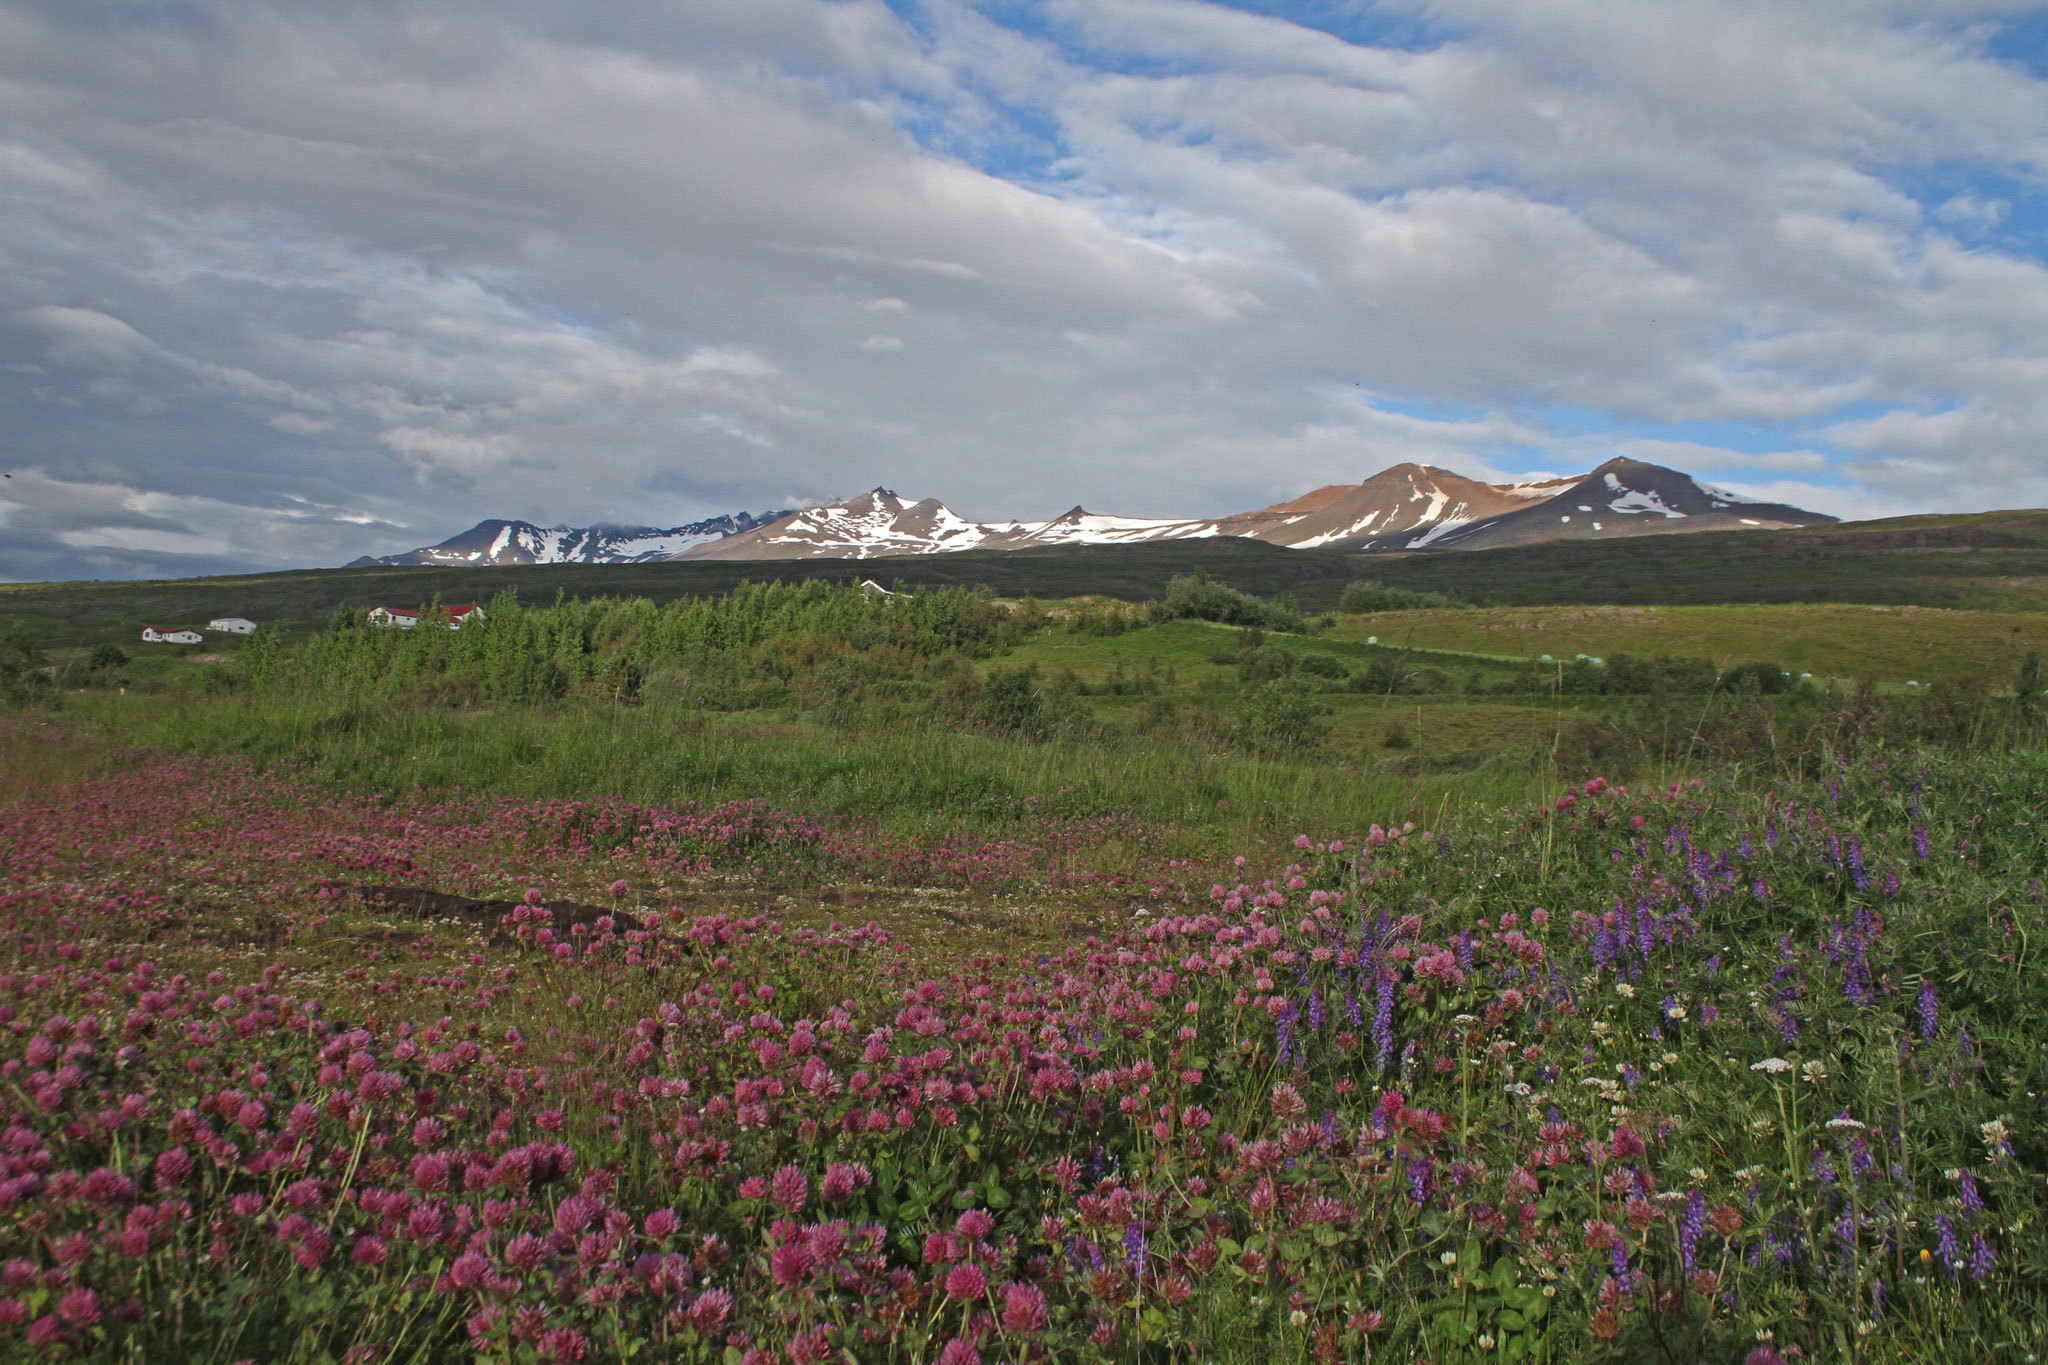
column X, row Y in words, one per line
column 915, row 778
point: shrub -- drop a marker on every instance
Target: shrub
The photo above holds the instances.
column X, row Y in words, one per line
column 1372, row 595
column 1759, row 676
column 1195, row 596
column 1282, row 718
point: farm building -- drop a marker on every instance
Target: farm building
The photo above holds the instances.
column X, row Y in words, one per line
column 455, row 612
column 171, row 635
column 233, row 625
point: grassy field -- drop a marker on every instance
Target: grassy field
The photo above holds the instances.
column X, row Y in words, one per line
column 862, row 993
column 1879, row 643
column 1736, row 1071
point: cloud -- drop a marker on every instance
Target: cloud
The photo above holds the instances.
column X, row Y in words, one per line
column 293, row 283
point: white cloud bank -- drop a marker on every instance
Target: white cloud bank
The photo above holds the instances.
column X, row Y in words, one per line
column 280, row 284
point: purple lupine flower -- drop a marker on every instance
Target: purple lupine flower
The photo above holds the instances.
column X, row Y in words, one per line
column 1418, row 1181
column 1877, row 1299
column 1981, row 1257
column 1620, row 1263
column 1760, row 889
column 1316, row 1016
column 1691, row 1224
column 1465, row 949
column 1891, row 886
column 1971, row 1199
column 1713, row 966
column 1845, row 1226
column 1383, row 1023
column 1920, row 841
column 1134, row 1249
column 1632, row 1076
column 1746, row 849
column 1856, row 868
column 1947, row 1249
column 1283, row 1032
column 1930, row 1012
column 1351, row 1012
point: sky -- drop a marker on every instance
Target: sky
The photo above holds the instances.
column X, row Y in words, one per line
column 286, row 283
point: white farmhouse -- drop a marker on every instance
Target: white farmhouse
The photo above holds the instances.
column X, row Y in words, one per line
column 233, row 625
column 405, row 619
column 171, row 635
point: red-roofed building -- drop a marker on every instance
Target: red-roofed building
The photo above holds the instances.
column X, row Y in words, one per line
column 455, row 613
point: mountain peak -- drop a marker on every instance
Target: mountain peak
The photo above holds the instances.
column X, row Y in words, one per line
column 500, row 540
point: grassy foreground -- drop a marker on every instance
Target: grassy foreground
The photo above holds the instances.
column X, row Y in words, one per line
column 1717, row 1071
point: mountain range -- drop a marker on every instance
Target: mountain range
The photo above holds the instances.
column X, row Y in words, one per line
column 521, row 542
column 1407, row 507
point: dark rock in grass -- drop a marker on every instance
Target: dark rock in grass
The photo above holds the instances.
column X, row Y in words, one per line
column 492, row 916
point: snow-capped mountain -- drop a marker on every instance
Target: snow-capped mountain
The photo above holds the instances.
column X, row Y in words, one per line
column 521, row 542
column 1407, row 507
column 875, row 523
column 1622, row 498
column 879, row 523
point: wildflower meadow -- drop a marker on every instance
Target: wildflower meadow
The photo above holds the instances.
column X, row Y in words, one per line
column 1711, row 1071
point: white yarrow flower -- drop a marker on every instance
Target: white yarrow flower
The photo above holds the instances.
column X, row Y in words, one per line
column 1775, row 1066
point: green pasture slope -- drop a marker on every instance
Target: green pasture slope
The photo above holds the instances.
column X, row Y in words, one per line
column 1991, row 562
column 1882, row 643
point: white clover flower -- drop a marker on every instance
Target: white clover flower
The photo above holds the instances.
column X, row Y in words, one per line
column 1298, row 1317
column 1671, row 1059
column 1996, row 1134
column 1776, row 1066
column 1815, row 1070
column 1449, row 1258
column 1676, row 1012
column 1624, row 990
column 1697, row 1176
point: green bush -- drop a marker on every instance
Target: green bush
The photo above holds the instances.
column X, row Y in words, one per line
column 1282, row 719
column 1195, row 596
column 1759, row 676
column 1369, row 595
